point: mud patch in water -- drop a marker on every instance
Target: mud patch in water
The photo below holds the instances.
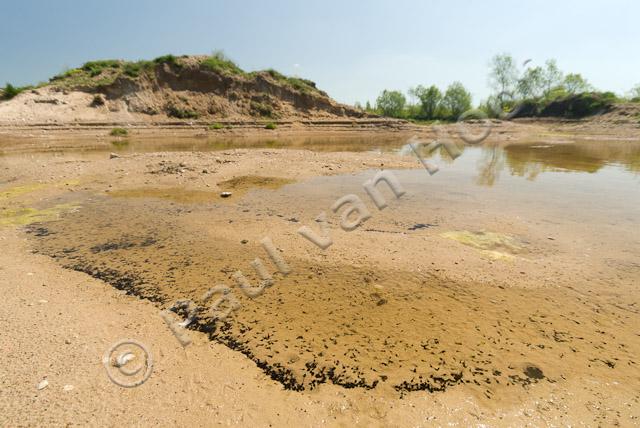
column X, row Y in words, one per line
column 246, row 182
column 175, row 194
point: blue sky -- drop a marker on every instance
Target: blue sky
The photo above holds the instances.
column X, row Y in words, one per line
column 352, row 49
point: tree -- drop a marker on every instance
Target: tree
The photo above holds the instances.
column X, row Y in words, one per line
column 391, row 103
column 414, row 93
column 532, row 83
column 503, row 77
column 552, row 76
column 456, row 100
column 491, row 107
column 574, row 83
column 634, row 93
column 430, row 100
column 367, row 107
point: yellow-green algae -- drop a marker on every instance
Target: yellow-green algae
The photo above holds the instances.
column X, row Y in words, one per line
column 25, row 216
column 494, row 245
column 16, row 191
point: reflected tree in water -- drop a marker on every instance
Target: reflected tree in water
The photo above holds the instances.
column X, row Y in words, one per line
column 489, row 166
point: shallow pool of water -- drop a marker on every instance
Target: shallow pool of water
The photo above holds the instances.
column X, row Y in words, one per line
column 508, row 258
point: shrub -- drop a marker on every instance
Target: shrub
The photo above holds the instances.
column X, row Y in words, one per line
column 527, row 108
column 120, row 144
column 134, row 69
column 98, row 100
column 215, row 126
column 219, row 63
column 581, row 105
column 67, row 74
column 11, row 91
column 95, row 68
column 301, row 85
column 168, row 59
column 297, row 83
column 570, row 106
column 261, row 109
column 276, row 74
column 119, row 132
column 270, row 125
column 180, row 113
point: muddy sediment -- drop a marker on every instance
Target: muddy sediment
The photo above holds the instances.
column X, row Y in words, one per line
column 353, row 326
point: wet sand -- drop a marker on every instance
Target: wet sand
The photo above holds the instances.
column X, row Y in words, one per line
column 496, row 282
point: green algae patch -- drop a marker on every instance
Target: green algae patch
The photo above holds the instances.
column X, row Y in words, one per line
column 16, row 191
column 26, row 216
column 495, row 245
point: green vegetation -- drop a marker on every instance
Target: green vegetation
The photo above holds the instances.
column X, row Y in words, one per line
column 262, row 109
column 541, row 91
column 304, row 86
column 270, row 125
column 431, row 103
column 216, row 126
column 119, row 132
column 11, row 91
column 120, row 144
column 574, row 83
column 95, row 68
column 98, row 100
column 135, row 69
column 567, row 105
column 219, row 63
column 634, row 94
column 91, row 74
column 94, row 74
column 391, row 103
column 168, row 59
column 456, row 101
column 181, row 113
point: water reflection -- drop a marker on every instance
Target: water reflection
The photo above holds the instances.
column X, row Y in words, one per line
column 533, row 159
column 527, row 160
column 90, row 146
